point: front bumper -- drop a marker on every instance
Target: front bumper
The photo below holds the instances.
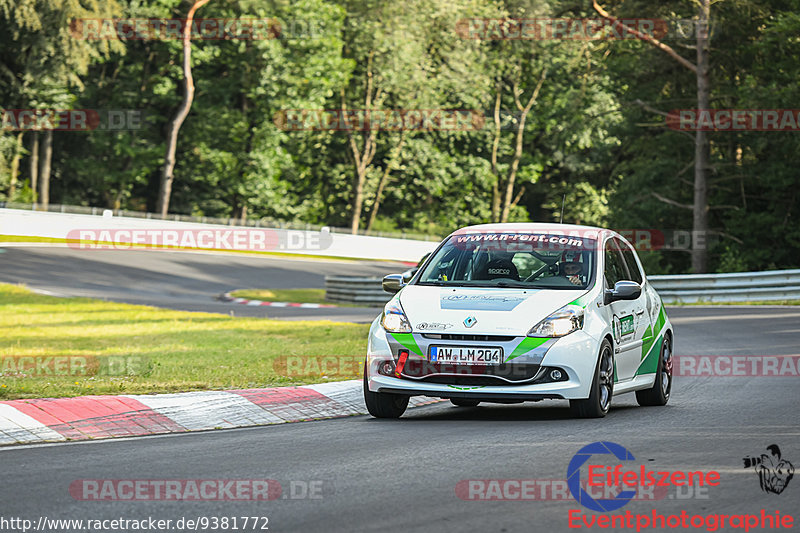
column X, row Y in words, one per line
column 575, row 355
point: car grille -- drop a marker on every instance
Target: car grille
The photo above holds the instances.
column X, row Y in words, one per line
column 460, row 337
column 449, row 374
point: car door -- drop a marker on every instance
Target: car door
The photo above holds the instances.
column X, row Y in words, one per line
column 641, row 313
column 626, row 315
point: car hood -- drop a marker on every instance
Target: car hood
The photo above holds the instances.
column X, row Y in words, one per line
column 496, row 311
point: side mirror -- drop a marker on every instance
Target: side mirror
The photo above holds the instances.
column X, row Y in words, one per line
column 623, row 290
column 393, row 283
column 408, row 274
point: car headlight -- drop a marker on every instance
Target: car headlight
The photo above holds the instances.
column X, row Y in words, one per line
column 563, row 322
column 394, row 319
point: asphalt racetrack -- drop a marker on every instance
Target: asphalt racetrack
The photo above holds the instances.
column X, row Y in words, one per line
column 188, row 281
column 411, row 474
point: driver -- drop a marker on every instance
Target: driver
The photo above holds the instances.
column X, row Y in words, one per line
column 572, row 271
column 571, row 268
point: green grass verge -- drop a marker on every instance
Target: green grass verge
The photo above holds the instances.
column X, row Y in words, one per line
column 301, row 296
column 172, row 351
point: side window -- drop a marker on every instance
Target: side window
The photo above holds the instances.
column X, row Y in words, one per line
column 615, row 265
column 630, row 261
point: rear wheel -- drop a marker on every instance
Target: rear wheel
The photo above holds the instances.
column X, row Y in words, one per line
column 463, row 402
column 659, row 393
column 599, row 400
column 381, row 404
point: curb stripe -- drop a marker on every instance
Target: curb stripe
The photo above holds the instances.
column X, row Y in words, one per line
column 100, row 417
column 228, row 297
column 293, row 403
column 16, row 427
column 89, row 417
column 197, row 411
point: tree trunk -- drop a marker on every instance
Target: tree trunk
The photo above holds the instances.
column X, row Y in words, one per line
column 495, row 147
column 12, row 185
column 701, row 146
column 384, row 180
column 362, row 160
column 167, row 176
column 512, row 173
column 34, row 163
column 44, row 168
column 358, row 198
column 701, row 150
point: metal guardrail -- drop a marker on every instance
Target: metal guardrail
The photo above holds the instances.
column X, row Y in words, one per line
column 355, row 290
column 684, row 288
column 732, row 287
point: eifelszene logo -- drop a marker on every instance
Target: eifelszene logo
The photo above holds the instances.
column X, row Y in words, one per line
column 618, row 478
column 774, row 473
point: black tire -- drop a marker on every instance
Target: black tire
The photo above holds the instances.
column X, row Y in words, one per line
column 383, row 405
column 658, row 394
column 599, row 400
column 463, row 402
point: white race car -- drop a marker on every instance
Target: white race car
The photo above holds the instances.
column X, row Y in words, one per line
column 509, row 313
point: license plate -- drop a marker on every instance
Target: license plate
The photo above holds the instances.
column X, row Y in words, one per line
column 466, row 355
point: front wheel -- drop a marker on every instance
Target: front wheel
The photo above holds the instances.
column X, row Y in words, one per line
column 599, row 400
column 381, row 404
column 659, row 393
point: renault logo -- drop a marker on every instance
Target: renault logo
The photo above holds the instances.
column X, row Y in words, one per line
column 470, row 321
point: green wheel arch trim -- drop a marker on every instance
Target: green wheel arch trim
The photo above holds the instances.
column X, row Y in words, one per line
column 526, row 345
column 581, row 300
column 649, row 364
column 408, row 342
column 651, row 345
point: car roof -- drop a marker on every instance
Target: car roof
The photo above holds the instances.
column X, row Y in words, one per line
column 529, row 227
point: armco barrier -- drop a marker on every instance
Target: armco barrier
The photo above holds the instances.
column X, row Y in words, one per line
column 733, row 287
column 354, row 290
column 689, row 288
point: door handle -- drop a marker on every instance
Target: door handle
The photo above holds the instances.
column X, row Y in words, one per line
column 640, row 312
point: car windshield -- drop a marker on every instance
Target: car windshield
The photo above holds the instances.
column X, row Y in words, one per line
column 523, row 260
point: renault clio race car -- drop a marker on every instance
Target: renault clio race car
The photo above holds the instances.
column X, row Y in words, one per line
column 509, row 313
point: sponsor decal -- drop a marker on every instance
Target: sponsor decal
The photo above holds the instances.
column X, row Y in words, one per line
column 626, row 325
column 433, row 325
column 470, row 321
column 497, row 300
column 774, row 472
